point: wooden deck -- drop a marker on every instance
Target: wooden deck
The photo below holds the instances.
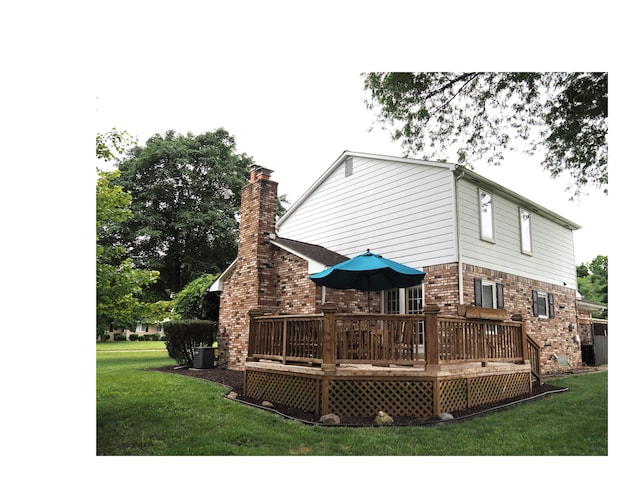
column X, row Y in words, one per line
column 406, row 365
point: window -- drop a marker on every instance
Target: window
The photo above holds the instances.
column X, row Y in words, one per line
column 525, row 231
column 543, row 304
column 406, row 300
column 414, row 300
column 488, row 294
column 403, row 300
column 392, row 301
column 488, row 299
column 486, row 216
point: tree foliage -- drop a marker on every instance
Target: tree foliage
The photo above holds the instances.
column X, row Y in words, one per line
column 112, row 145
column 195, row 301
column 119, row 285
column 593, row 280
column 484, row 115
column 185, row 193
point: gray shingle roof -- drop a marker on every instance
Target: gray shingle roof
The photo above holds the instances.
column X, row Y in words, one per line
column 315, row 252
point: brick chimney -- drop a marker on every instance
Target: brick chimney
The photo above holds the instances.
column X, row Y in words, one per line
column 252, row 284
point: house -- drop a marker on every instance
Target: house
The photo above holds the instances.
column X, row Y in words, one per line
column 142, row 331
column 592, row 333
column 479, row 243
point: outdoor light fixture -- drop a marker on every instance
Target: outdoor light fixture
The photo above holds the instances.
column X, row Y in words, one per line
column 571, row 327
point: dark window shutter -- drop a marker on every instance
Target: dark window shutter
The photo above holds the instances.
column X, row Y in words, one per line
column 477, row 292
column 552, row 312
column 534, row 297
column 499, row 295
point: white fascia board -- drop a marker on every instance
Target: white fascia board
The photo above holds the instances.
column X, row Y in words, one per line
column 349, row 154
column 312, row 265
column 218, row 285
column 517, row 198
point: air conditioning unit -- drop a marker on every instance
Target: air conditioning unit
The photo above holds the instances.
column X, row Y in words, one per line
column 205, row 357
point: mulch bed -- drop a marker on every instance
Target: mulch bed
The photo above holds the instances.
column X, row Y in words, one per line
column 233, row 379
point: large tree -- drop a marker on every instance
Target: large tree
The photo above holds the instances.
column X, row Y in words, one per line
column 480, row 116
column 593, row 280
column 119, row 285
column 185, row 193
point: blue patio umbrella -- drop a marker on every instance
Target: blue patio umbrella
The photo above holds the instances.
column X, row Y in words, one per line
column 368, row 272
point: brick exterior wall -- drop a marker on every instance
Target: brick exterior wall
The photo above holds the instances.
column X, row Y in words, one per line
column 553, row 334
column 297, row 294
column 273, row 280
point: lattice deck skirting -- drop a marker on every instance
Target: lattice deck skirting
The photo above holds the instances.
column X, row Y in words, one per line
column 406, row 392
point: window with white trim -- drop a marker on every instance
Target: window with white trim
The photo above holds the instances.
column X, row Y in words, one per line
column 525, row 231
column 414, row 307
column 486, row 216
column 406, row 300
column 487, row 293
column 403, row 300
column 392, row 301
column 543, row 304
column 414, row 300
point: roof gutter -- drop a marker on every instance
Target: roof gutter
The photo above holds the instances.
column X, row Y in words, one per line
column 510, row 194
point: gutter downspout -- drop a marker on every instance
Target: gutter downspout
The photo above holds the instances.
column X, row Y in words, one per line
column 458, row 175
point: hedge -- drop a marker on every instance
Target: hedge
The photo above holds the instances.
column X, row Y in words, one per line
column 182, row 338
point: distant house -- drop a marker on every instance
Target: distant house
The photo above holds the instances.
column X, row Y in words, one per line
column 479, row 243
column 592, row 332
column 142, row 330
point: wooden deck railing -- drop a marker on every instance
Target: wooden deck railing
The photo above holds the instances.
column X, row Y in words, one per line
column 533, row 350
column 333, row 338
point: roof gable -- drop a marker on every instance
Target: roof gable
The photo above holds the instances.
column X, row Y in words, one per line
column 349, row 154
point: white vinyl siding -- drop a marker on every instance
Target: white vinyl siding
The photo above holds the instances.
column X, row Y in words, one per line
column 553, row 258
column 403, row 210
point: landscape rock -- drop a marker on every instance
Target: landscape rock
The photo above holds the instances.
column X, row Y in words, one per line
column 330, row 419
column 232, row 395
column 267, row 404
column 383, row 419
column 445, row 416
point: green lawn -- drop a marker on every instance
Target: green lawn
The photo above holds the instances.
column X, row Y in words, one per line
column 141, row 412
column 120, row 346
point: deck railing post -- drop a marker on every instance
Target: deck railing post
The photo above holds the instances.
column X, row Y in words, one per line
column 329, row 337
column 518, row 318
column 253, row 313
column 431, row 334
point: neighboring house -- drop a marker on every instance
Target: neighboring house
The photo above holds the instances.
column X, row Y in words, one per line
column 592, row 333
column 478, row 243
column 141, row 330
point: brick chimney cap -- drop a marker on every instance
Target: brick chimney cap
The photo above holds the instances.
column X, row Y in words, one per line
column 259, row 169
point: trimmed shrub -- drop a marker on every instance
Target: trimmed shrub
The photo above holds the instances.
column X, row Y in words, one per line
column 184, row 336
column 133, row 337
column 119, row 337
